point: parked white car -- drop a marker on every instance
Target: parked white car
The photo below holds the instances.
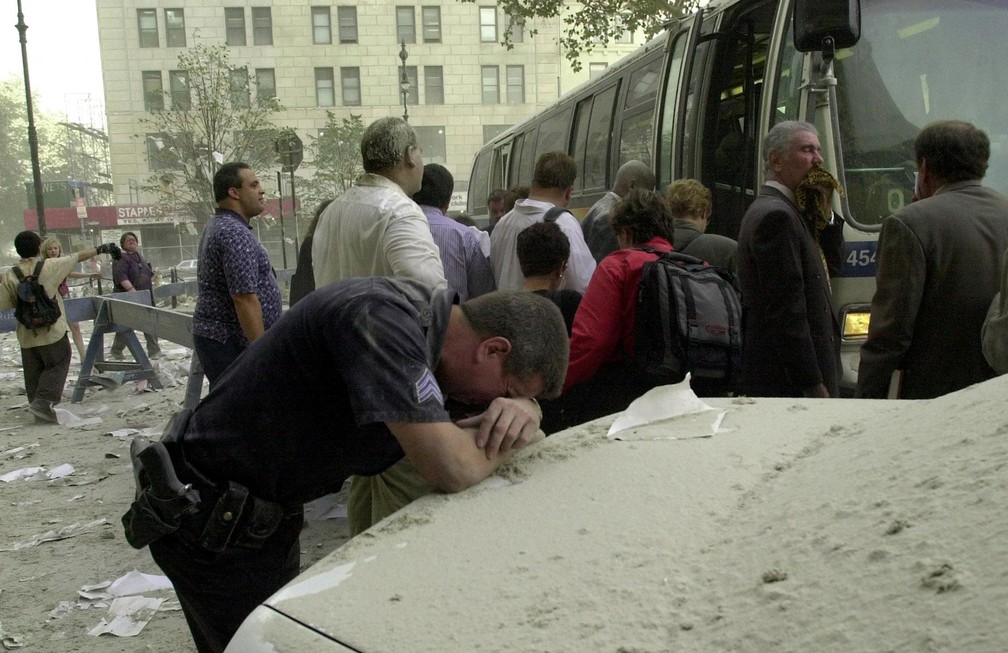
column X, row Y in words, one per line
column 186, row 270
column 763, row 525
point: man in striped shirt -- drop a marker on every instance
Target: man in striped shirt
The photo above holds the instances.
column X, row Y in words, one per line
column 466, row 267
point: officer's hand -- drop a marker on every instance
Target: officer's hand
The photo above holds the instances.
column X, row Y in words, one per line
column 505, row 425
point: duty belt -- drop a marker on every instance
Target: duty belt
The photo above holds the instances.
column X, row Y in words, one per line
column 175, row 497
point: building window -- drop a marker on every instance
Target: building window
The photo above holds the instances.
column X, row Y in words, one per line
column 325, row 87
column 178, row 85
column 596, row 68
column 147, row 26
column 491, row 132
column 174, row 25
column 153, row 90
column 265, row 83
column 240, row 88
column 347, row 24
column 321, row 21
column 405, row 24
column 491, row 85
column 516, row 84
column 160, row 153
column 433, row 85
column 432, row 140
column 234, row 25
column 488, row 24
column 350, row 85
column 517, row 26
column 413, row 97
column 626, row 38
column 431, row 24
column 262, row 26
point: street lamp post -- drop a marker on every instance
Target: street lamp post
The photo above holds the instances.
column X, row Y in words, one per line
column 32, row 135
column 404, row 83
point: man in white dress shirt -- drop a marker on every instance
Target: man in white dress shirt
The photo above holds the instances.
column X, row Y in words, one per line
column 552, row 184
column 375, row 229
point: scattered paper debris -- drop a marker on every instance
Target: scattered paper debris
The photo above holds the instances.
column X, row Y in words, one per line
column 123, row 433
column 127, row 616
column 136, row 582
column 73, row 530
column 21, row 474
column 66, row 469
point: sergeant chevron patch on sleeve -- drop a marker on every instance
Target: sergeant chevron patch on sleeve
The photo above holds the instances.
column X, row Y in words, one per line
column 427, row 388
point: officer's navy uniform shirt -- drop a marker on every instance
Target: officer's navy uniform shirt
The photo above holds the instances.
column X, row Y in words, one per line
column 306, row 405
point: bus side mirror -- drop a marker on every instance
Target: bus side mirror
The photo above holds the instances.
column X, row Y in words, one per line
column 817, row 21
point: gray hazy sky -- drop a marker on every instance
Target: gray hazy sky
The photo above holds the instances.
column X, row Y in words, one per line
column 64, row 64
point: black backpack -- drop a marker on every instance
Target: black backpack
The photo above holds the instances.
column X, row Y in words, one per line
column 35, row 309
column 689, row 319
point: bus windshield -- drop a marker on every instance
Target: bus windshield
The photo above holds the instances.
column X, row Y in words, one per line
column 918, row 61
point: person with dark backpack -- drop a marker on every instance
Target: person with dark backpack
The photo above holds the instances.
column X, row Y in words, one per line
column 31, row 288
column 602, row 376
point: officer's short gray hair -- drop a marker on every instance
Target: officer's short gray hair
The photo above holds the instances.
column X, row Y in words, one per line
column 778, row 139
column 534, row 327
column 385, row 143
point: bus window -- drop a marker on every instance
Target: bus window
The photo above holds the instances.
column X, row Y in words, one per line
column 599, row 139
column 479, row 184
column 516, row 149
column 499, row 167
column 582, row 114
column 787, row 91
column 528, row 158
column 553, row 134
column 644, row 83
column 636, row 127
column 665, row 158
column 636, row 134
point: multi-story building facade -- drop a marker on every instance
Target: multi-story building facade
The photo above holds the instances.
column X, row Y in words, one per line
column 465, row 86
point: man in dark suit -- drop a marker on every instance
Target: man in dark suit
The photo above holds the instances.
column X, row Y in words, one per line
column 790, row 337
column 938, row 270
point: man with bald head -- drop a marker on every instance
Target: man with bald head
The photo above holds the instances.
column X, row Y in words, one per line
column 598, row 233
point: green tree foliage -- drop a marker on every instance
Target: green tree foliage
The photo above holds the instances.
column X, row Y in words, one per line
column 593, row 23
column 212, row 117
column 15, row 157
column 335, row 155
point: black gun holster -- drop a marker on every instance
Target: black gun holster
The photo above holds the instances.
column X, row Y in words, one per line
column 162, row 500
column 204, row 513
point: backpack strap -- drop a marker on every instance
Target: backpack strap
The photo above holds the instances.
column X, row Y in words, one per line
column 38, row 268
column 674, row 256
column 554, row 213
column 16, row 269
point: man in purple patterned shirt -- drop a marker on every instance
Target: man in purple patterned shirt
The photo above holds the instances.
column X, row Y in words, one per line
column 238, row 294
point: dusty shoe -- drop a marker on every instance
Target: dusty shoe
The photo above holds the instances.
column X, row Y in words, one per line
column 118, row 355
column 43, row 411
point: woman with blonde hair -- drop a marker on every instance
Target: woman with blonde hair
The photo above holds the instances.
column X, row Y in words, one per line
column 51, row 248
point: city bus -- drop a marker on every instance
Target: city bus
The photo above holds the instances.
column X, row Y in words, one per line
column 695, row 101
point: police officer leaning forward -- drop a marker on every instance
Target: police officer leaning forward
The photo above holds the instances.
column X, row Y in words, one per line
column 346, row 382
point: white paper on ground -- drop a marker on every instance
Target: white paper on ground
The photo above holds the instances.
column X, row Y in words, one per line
column 127, row 616
column 66, row 469
column 135, row 582
column 665, row 403
column 20, row 474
